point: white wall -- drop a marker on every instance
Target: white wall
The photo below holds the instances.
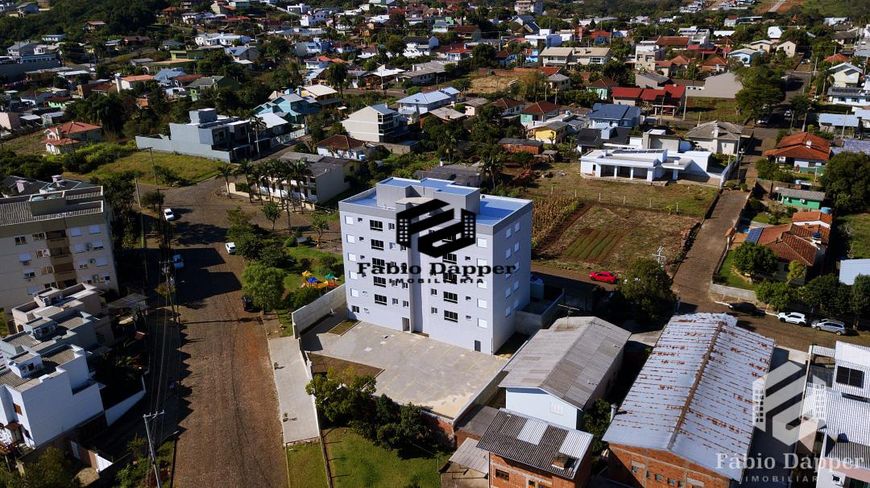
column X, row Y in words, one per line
column 539, row 404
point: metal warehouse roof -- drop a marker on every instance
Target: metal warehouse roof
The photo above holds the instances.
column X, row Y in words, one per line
column 568, row 360
column 470, row 456
column 693, row 397
column 536, row 443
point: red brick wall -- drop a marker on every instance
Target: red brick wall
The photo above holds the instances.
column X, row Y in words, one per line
column 519, row 475
column 514, row 148
column 661, row 463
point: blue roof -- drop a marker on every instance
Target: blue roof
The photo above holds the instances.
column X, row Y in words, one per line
column 838, row 120
column 853, row 145
column 424, row 98
column 754, row 234
column 612, row 111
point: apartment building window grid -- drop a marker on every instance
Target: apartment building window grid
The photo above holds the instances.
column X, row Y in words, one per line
column 376, row 225
column 380, row 299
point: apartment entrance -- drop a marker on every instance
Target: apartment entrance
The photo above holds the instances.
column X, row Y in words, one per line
column 406, row 324
column 477, row 346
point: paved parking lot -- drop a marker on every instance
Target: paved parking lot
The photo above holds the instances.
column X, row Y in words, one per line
column 417, row 369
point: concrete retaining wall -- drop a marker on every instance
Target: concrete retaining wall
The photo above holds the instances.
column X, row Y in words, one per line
column 334, row 301
column 718, row 291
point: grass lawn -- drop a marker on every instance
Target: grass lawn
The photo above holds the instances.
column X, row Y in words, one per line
column 857, row 226
column 26, row 144
column 730, row 276
column 294, row 279
column 357, row 462
column 674, row 198
column 305, row 466
column 713, row 109
column 189, row 168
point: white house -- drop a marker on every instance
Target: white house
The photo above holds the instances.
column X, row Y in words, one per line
column 717, row 137
column 375, row 123
column 564, row 369
column 421, row 103
column 845, row 75
column 745, row 55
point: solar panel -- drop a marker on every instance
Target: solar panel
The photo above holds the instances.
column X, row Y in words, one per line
column 754, row 235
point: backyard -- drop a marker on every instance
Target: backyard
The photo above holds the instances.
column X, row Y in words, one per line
column 355, row 461
column 305, row 466
column 857, row 227
column 611, row 237
column 729, row 276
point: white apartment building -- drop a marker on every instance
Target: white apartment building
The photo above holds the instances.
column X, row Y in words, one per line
column 474, row 310
column 376, row 123
column 646, row 53
column 529, row 7
column 54, row 239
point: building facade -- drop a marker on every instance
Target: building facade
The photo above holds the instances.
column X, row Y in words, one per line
column 54, row 239
column 475, row 310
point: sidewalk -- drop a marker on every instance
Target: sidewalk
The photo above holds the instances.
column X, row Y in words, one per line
column 296, row 408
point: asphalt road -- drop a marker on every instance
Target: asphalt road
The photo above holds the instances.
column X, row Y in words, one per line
column 230, row 434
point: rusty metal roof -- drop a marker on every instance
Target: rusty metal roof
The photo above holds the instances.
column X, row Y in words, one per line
column 693, row 397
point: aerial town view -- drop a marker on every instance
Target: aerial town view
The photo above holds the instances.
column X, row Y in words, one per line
column 435, row 243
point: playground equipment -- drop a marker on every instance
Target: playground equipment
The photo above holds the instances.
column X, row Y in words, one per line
column 311, row 281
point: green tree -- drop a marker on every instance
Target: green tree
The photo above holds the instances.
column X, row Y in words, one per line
column 648, row 287
column 752, row 259
column 303, row 296
column 797, row 271
column 226, row 170
column 777, row 294
column 596, row 420
column 827, row 295
column 271, row 211
column 336, row 74
column 483, row 56
column 847, row 181
column 319, row 224
column 50, row 470
column 264, row 285
column 153, row 199
column 341, row 397
column 861, row 296
column 762, row 89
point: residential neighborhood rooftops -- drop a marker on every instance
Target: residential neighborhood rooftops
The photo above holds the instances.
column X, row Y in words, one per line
column 541, row 108
column 677, row 401
column 816, row 196
column 569, row 359
column 802, row 145
column 536, row 443
column 716, row 130
column 341, row 142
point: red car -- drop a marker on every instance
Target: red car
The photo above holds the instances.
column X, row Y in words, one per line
column 603, row 276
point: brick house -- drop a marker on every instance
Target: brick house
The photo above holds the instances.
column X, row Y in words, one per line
column 530, row 146
column 691, row 403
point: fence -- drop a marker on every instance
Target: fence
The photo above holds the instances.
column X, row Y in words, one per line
column 732, row 292
column 310, row 314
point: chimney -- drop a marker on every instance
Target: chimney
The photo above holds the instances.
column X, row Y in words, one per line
column 809, row 143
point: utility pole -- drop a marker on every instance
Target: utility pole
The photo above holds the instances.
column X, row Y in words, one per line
column 147, row 417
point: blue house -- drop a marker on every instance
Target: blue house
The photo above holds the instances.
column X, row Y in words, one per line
column 290, row 106
column 614, row 115
column 167, row 76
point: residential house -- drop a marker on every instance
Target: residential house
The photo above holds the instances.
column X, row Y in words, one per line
column 691, row 403
column 245, row 55
column 561, row 371
column 421, row 103
column 425, row 73
column 665, row 101
column 375, row 123
column 839, row 124
column 714, row 64
column 209, row 83
column 342, row 146
column 806, row 244
column 853, row 96
column 805, row 152
column 468, row 32
column 745, row 55
column 787, row 47
column 845, row 75
column 509, row 107
column 558, row 56
column 723, row 85
column 289, row 106
column 207, row 135
column 528, row 452
column 529, row 7
column 416, row 47
column 805, row 199
column 591, row 138
column 324, row 95
column 651, row 79
column 539, row 112
column 614, row 115
column 645, row 164
column 559, row 82
column 129, row 82
column 529, row 146
column 586, row 56
column 836, row 405
column 326, row 178
column 646, row 53
column 53, row 234
column 480, row 314
column 549, row 132
column 764, row 45
column 602, row 87
column 718, row 137
column 69, row 136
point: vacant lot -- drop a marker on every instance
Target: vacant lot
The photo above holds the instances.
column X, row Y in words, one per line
column 857, row 227
column 611, row 237
column 491, row 84
column 355, row 462
column 26, row 144
column 683, row 199
column 188, row 168
column 305, row 464
column 713, row 109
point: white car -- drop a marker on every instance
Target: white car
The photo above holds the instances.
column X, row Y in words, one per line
column 792, row 318
column 230, row 247
column 177, row 261
column 168, row 214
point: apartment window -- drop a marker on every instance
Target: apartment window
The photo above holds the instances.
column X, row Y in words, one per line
column 380, row 281
column 354, row 292
column 391, row 226
column 850, row 377
column 20, row 240
column 377, row 245
column 507, row 292
column 507, row 253
column 348, row 220
column 450, row 258
column 451, row 316
column 351, row 257
column 97, row 245
column 405, row 303
column 481, row 284
column 482, row 262
column 433, row 310
column 481, row 303
column 502, row 475
column 637, row 468
column 354, row 275
column 354, row 309
column 39, row 236
column 433, row 292
column 47, row 270
column 29, row 273
column 380, row 299
column 75, row 232
column 507, row 311
column 450, row 297
column 43, row 253
column 376, row 225
column 94, row 229
column 482, row 323
column 517, row 227
column 508, row 232
column 516, row 285
column 450, row 278
column 351, row 238
column 481, row 242
column 395, row 301
column 378, row 262
column 516, row 247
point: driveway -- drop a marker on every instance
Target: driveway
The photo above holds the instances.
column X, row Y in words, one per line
column 230, row 434
column 695, row 274
column 297, row 413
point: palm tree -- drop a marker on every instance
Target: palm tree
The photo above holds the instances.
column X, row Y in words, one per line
column 491, row 163
column 299, row 172
column 258, row 125
column 226, row 170
column 255, row 173
column 244, row 169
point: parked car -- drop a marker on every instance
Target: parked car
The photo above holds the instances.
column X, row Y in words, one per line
column 230, row 247
column 603, row 276
column 830, row 325
column 792, row 318
column 169, row 215
column 248, row 304
column 177, row 261
column 746, row 308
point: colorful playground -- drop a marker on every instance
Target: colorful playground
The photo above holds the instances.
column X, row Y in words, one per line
column 311, row 281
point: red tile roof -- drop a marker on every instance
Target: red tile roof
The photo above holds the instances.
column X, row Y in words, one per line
column 790, row 243
column 626, row 92
column 540, row 108
column 675, row 41
column 812, row 216
column 506, row 103
column 714, row 61
column 837, row 58
column 550, row 70
column 74, row 127
column 802, row 145
column 341, row 142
